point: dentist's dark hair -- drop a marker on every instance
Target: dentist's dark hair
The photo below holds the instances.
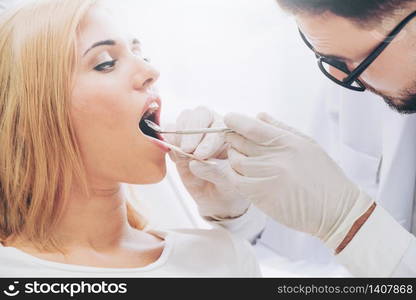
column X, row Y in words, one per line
column 365, row 12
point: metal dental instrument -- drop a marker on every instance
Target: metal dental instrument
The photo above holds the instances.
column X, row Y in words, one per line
column 158, row 129
column 179, row 150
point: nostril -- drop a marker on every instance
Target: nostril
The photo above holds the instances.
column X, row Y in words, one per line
column 141, row 84
column 145, row 77
column 148, row 82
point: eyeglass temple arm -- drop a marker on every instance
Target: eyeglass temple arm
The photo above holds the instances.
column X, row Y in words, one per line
column 376, row 53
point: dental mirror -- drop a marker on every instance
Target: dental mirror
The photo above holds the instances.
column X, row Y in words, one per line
column 158, row 129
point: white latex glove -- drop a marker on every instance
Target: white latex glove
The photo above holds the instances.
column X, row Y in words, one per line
column 209, row 186
column 290, row 178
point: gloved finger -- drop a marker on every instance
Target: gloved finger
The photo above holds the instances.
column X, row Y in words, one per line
column 222, row 153
column 177, row 157
column 212, row 143
column 253, row 129
column 173, row 156
column 188, row 178
column 243, row 145
column 243, row 183
column 265, row 117
column 236, row 160
column 173, row 139
column 223, row 176
column 255, row 167
column 200, row 117
column 216, row 174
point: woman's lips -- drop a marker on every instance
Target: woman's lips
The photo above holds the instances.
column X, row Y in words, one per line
column 154, row 99
column 157, row 121
column 158, row 143
column 151, row 99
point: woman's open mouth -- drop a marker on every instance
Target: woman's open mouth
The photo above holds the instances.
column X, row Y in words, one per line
column 152, row 113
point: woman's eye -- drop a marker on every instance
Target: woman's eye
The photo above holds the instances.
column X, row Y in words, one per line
column 106, row 65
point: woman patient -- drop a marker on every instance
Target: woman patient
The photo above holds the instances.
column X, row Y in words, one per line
column 73, row 89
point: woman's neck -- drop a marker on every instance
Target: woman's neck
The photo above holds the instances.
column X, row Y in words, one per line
column 98, row 222
column 95, row 231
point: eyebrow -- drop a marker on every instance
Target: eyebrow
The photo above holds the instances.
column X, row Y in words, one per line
column 101, row 43
column 108, row 43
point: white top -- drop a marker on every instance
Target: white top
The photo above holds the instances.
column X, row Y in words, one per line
column 187, row 253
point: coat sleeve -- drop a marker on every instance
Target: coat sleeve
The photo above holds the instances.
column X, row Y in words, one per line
column 381, row 248
column 249, row 226
column 245, row 257
column 407, row 266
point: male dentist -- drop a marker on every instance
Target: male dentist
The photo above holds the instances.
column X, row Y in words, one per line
column 359, row 45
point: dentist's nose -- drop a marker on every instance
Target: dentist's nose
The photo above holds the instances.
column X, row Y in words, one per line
column 145, row 76
column 338, row 74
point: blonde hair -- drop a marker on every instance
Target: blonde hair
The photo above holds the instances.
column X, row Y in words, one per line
column 39, row 156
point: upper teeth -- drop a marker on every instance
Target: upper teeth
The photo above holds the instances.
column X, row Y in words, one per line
column 152, row 108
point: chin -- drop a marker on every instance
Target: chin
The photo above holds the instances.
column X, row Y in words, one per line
column 153, row 173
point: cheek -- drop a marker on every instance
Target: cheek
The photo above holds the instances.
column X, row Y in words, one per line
column 105, row 102
column 391, row 73
column 106, row 123
column 100, row 106
column 386, row 79
column 101, row 122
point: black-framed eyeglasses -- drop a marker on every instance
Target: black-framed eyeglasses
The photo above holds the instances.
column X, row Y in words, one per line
column 351, row 80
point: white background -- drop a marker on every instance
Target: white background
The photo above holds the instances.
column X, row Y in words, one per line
column 239, row 55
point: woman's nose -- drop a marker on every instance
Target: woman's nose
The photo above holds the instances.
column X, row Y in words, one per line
column 145, row 76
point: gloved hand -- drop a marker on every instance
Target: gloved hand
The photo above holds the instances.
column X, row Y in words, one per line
column 288, row 176
column 209, row 185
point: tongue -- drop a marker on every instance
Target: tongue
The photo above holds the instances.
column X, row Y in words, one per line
column 147, row 130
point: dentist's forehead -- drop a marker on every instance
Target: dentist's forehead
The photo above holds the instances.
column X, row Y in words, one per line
column 333, row 35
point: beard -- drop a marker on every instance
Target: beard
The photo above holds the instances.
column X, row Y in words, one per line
column 403, row 104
